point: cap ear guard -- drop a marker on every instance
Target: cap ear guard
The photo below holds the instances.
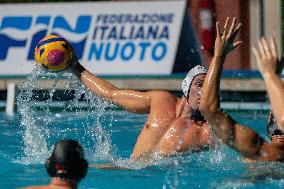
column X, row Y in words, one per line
column 186, row 83
column 185, row 87
column 50, row 171
column 75, row 172
column 83, row 169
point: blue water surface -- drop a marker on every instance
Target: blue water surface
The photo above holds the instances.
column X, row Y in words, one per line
column 111, row 137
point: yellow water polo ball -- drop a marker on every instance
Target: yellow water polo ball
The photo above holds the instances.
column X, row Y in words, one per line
column 54, row 53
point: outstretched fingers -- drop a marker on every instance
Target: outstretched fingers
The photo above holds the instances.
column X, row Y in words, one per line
column 218, row 29
column 273, row 48
column 235, row 32
column 258, row 57
column 236, row 44
column 225, row 28
column 267, row 56
column 233, row 25
column 265, row 47
column 225, row 41
column 261, row 49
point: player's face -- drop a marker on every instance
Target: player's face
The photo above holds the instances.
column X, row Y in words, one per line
column 195, row 91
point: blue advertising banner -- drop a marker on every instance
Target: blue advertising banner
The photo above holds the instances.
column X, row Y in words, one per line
column 109, row 37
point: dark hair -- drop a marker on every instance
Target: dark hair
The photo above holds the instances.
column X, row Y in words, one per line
column 67, row 161
column 196, row 115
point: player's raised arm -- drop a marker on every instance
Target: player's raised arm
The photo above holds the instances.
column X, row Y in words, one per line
column 54, row 53
column 130, row 100
column 226, row 128
column 224, row 43
column 267, row 61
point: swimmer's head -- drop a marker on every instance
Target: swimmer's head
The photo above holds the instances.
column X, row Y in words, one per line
column 67, row 161
column 192, row 86
column 187, row 82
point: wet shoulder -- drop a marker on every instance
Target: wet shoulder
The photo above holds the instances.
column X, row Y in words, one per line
column 163, row 100
column 163, row 105
column 160, row 95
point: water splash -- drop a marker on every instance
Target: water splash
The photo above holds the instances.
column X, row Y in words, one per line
column 172, row 178
column 35, row 150
column 99, row 131
column 37, row 135
column 216, row 146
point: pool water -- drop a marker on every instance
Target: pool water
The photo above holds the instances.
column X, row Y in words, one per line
column 110, row 136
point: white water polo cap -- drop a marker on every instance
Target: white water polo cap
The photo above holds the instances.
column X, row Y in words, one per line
column 186, row 83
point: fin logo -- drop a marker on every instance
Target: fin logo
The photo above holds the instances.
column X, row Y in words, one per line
column 26, row 31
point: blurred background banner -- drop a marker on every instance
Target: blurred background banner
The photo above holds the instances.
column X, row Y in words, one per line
column 109, row 37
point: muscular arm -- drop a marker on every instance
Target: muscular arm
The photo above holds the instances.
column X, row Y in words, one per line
column 267, row 61
column 210, row 100
column 224, row 43
column 243, row 139
column 236, row 136
column 130, row 100
column 275, row 89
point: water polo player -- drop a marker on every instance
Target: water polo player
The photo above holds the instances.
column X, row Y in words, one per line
column 239, row 137
column 173, row 125
column 66, row 166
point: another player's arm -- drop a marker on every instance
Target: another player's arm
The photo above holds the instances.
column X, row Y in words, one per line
column 130, row 100
column 244, row 139
column 267, row 59
column 275, row 89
